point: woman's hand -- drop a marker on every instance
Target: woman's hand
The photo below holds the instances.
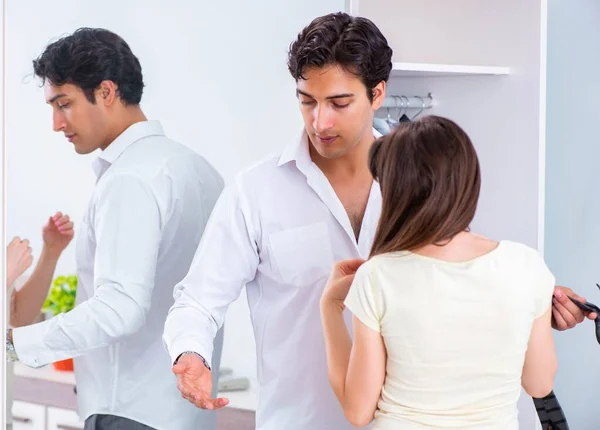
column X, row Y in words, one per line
column 57, row 234
column 18, row 259
column 339, row 282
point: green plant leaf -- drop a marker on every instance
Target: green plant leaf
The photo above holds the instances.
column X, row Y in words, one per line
column 62, row 294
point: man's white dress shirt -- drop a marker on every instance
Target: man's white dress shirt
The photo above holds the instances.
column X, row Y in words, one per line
column 277, row 228
column 143, row 225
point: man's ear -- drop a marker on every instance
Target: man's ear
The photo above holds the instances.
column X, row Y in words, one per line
column 378, row 92
column 107, row 91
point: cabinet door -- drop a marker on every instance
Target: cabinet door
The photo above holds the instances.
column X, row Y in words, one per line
column 28, row 416
column 63, row 419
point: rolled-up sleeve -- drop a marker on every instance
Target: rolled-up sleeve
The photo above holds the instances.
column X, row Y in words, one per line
column 127, row 227
column 226, row 260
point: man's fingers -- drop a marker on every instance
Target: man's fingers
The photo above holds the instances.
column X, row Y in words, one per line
column 567, row 316
column 203, row 401
column 568, row 313
column 194, row 394
column 179, row 368
column 222, row 402
column 592, row 315
column 212, row 404
column 559, row 321
column 571, row 307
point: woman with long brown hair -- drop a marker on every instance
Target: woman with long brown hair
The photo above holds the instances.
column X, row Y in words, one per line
column 448, row 325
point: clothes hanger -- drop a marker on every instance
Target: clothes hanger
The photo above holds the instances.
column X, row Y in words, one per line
column 422, row 108
column 389, row 119
column 392, row 122
column 404, row 118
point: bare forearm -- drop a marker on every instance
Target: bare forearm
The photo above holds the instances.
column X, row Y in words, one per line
column 337, row 346
column 28, row 301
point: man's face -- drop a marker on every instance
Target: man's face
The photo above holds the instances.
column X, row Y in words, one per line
column 83, row 123
column 337, row 113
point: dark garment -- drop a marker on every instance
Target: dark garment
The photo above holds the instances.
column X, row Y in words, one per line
column 550, row 412
column 112, row 422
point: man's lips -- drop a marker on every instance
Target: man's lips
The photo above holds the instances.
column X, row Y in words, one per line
column 327, row 140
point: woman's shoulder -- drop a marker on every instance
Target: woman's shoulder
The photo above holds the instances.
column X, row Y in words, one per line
column 510, row 248
column 519, row 249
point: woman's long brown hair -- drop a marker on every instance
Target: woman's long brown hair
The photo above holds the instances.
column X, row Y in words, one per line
column 430, row 179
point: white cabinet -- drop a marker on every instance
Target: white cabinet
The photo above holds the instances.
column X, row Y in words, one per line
column 28, row 416
column 63, row 419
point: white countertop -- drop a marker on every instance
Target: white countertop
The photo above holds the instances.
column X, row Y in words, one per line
column 246, row 399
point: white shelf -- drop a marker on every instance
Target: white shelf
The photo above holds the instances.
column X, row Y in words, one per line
column 435, row 70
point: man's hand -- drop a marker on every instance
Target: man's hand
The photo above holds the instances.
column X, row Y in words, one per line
column 339, row 281
column 565, row 313
column 18, row 259
column 57, row 234
column 194, row 381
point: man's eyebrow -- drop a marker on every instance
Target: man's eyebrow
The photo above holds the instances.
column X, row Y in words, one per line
column 335, row 96
column 56, row 97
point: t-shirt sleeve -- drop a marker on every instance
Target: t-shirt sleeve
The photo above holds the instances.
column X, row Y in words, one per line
column 363, row 299
column 544, row 286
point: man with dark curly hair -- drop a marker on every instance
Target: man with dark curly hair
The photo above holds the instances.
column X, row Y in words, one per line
column 138, row 237
column 279, row 227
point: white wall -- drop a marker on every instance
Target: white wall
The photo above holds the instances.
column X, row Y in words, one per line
column 216, row 77
column 572, row 203
column 501, row 114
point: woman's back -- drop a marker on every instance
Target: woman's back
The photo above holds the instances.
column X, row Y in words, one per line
column 456, row 333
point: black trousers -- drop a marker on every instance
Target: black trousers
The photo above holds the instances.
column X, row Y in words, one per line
column 112, row 422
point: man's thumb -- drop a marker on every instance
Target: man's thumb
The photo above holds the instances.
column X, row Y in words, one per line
column 179, row 368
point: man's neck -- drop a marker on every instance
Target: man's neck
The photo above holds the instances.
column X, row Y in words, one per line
column 126, row 118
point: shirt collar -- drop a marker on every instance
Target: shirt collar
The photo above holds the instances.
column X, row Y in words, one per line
column 298, row 151
column 132, row 134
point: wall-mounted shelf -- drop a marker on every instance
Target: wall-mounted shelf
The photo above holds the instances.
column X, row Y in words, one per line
column 436, row 70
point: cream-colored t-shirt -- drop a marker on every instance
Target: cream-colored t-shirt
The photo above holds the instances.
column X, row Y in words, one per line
column 455, row 333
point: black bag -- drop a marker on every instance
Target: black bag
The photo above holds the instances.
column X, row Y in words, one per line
column 550, row 412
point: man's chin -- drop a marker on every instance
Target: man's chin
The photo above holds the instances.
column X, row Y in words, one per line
column 82, row 150
column 331, row 153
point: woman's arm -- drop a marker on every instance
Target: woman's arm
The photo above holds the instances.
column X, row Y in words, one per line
column 541, row 364
column 27, row 302
column 356, row 371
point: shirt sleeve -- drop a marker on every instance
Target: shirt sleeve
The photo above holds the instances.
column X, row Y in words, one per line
column 226, row 260
column 363, row 298
column 544, row 285
column 127, row 226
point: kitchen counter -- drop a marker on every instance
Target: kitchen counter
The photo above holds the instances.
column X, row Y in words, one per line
column 49, row 387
